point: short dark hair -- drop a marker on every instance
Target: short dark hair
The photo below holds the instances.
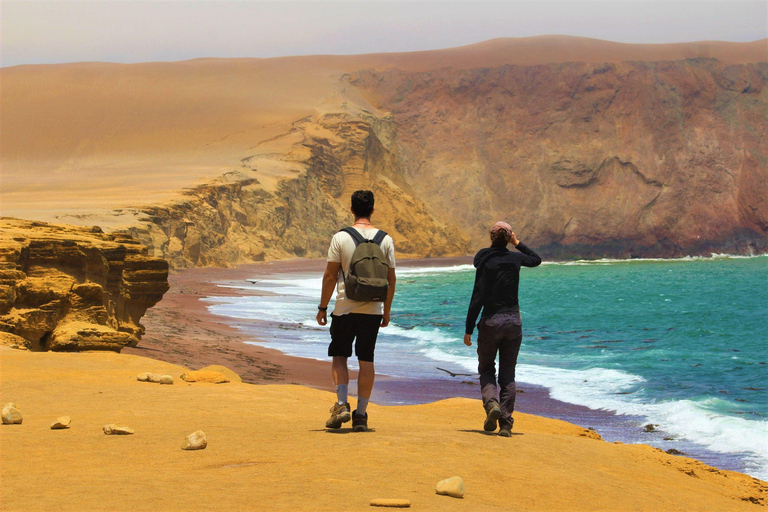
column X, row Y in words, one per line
column 362, row 203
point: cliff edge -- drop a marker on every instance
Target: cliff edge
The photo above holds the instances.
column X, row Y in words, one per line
column 64, row 288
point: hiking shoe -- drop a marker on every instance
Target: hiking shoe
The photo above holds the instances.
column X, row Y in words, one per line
column 493, row 415
column 339, row 414
column 359, row 422
column 505, row 427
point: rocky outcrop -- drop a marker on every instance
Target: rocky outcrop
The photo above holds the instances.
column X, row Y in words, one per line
column 64, row 288
column 239, row 218
column 589, row 160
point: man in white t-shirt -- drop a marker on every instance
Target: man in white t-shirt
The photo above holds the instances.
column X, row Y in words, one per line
column 354, row 321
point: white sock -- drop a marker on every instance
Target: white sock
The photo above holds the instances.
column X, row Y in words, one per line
column 341, row 393
column 362, row 405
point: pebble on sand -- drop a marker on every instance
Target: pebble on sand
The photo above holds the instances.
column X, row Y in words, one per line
column 11, row 414
column 61, row 422
column 143, row 377
column 204, row 376
column 154, row 377
column 166, row 379
column 195, row 441
column 453, row 486
column 389, row 502
column 113, row 429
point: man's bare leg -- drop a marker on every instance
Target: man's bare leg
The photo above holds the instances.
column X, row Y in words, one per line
column 340, row 412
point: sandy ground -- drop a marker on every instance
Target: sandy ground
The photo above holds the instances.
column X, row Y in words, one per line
column 268, row 450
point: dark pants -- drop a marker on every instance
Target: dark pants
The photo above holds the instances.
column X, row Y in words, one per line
column 502, row 333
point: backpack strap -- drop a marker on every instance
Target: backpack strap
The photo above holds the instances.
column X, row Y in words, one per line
column 356, row 236
column 379, row 237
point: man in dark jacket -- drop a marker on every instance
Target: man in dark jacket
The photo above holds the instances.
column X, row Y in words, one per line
column 500, row 329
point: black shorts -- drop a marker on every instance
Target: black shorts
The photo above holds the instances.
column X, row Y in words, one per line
column 344, row 330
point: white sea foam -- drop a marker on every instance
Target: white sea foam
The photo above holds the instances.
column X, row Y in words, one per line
column 610, row 261
column 432, row 270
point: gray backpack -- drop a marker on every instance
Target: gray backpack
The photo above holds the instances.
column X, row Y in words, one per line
column 366, row 277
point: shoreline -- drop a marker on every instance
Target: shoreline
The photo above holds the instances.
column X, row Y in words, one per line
column 182, row 330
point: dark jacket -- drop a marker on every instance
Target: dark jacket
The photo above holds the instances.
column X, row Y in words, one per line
column 497, row 280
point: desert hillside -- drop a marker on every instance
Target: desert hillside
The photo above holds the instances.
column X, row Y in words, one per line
column 588, row 147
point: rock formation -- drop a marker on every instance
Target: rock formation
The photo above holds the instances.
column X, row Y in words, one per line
column 65, row 288
column 239, row 219
column 617, row 159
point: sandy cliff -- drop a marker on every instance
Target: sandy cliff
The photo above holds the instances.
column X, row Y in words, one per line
column 64, row 288
column 590, row 148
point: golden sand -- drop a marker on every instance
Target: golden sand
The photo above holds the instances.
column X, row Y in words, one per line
column 268, row 450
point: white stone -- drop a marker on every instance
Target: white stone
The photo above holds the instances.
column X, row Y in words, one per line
column 453, row 486
column 166, row 379
column 195, row 441
column 11, row 414
column 61, row 422
column 114, row 429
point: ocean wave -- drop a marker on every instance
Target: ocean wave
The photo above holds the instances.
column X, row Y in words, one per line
column 611, row 261
column 409, row 271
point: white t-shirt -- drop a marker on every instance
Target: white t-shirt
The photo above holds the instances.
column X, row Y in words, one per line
column 340, row 251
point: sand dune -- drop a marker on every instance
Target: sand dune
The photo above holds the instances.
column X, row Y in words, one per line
column 268, row 450
column 89, row 137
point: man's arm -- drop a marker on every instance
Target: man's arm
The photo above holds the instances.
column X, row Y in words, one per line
column 329, row 283
column 391, row 279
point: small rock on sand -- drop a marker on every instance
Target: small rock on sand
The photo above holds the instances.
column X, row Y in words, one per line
column 166, row 379
column 61, row 422
column 204, row 376
column 113, row 429
column 154, row 377
column 387, row 502
column 195, row 441
column 453, row 486
column 11, row 414
column 143, row 377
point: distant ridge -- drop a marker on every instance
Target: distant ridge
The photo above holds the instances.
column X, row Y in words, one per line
column 526, row 51
column 583, row 126
column 555, row 49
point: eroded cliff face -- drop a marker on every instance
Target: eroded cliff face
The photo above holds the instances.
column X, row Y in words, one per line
column 589, row 160
column 65, row 288
column 292, row 194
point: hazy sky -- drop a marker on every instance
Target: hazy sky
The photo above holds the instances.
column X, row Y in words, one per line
column 54, row 31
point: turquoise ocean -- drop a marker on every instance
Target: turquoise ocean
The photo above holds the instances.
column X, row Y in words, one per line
column 680, row 344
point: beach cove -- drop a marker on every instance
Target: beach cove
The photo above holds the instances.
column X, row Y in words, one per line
column 268, row 444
